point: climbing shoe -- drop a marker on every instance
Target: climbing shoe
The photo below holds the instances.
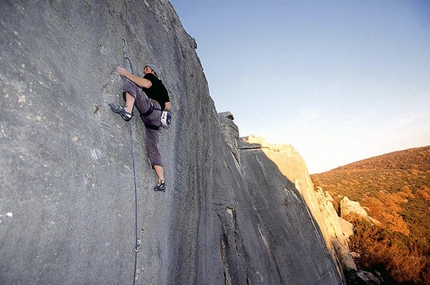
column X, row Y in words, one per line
column 161, row 187
column 121, row 111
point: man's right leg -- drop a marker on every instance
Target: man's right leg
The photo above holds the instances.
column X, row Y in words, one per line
column 134, row 96
column 160, row 175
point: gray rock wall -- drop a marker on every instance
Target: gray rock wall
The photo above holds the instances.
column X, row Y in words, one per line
column 66, row 175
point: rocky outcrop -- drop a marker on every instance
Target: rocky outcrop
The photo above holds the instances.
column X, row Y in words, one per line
column 292, row 166
column 337, row 229
column 66, row 169
column 348, row 207
column 283, row 218
column 230, row 133
column 350, row 210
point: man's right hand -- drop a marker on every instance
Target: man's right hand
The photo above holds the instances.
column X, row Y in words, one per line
column 122, row 71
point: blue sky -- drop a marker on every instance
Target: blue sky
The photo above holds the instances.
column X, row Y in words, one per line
column 339, row 80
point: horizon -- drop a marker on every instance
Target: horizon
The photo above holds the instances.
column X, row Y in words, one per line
column 366, row 158
column 339, row 81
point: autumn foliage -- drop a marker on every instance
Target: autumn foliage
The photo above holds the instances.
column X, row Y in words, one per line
column 395, row 190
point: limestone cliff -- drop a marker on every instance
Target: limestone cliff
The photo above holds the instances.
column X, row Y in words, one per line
column 293, row 167
column 66, row 173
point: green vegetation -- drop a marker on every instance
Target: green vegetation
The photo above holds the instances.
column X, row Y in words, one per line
column 394, row 188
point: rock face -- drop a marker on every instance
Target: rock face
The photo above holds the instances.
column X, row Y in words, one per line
column 67, row 201
column 230, row 133
column 293, row 167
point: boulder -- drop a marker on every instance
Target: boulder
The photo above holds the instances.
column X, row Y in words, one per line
column 352, row 208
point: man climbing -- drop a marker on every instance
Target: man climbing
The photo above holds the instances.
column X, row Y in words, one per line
column 150, row 97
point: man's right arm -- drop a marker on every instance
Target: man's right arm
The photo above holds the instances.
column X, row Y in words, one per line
column 142, row 82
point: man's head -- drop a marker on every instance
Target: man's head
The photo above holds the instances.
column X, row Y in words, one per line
column 153, row 69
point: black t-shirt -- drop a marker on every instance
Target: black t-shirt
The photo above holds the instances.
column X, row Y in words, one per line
column 157, row 91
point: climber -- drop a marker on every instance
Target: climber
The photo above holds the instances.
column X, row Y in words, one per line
column 150, row 96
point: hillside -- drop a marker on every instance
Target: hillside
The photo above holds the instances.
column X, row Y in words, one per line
column 394, row 188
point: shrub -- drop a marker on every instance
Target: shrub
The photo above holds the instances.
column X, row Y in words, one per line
column 389, row 253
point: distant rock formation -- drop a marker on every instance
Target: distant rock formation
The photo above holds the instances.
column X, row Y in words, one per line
column 351, row 209
column 67, row 206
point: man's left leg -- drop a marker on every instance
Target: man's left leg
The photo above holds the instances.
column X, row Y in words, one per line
column 129, row 102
